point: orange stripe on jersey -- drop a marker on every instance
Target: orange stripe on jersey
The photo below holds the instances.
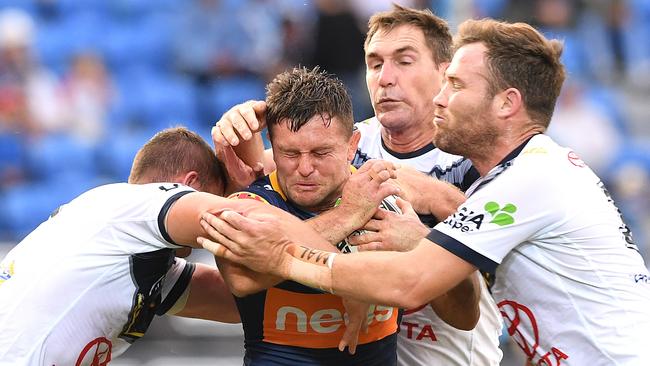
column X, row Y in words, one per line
column 316, row 320
column 247, row 196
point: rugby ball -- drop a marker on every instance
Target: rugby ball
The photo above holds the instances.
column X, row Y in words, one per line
column 389, row 204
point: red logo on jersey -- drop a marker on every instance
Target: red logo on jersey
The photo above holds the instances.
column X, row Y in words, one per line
column 247, row 196
column 516, row 315
column 426, row 331
column 575, row 159
column 96, row 353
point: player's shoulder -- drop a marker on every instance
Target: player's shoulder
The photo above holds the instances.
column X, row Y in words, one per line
column 538, row 170
column 263, row 189
column 543, row 159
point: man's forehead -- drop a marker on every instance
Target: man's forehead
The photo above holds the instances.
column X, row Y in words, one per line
column 401, row 37
column 469, row 59
column 318, row 128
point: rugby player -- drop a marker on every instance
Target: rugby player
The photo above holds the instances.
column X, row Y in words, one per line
column 85, row 284
column 569, row 280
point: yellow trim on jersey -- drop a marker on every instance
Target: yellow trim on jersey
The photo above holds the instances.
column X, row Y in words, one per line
column 273, row 178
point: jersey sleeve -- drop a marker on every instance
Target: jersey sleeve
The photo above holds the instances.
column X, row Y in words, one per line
column 177, row 281
column 144, row 218
column 508, row 210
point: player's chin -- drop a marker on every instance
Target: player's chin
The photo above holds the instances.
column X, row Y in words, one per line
column 307, row 200
column 394, row 117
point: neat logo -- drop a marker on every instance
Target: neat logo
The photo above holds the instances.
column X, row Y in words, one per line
column 501, row 216
column 325, row 320
column 465, row 220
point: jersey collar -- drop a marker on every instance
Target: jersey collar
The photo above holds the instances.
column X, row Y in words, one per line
column 408, row 155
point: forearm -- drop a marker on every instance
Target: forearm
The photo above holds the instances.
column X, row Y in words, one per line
column 444, row 200
column 459, row 307
column 209, row 298
column 429, row 195
column 388, row 278
column 242, row 281
column 335, row 225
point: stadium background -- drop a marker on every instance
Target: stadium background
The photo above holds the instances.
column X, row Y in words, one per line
column 83, row 84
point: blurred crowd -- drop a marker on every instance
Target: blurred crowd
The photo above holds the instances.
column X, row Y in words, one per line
column 84, row 83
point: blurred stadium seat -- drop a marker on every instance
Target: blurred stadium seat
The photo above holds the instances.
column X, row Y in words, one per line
column 55, row 155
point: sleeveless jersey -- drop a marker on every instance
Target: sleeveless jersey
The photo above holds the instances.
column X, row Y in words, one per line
column 569, row 281
column 87, row 282
column 425, row 339
column 292, row 324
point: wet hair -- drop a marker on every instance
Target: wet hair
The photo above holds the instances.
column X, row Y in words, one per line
column 296, row 96
column 436, row 32
column 176, row 151
column 518, row 56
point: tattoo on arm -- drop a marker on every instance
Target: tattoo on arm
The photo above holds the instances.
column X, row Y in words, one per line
column 302, row 269
column 314, row 256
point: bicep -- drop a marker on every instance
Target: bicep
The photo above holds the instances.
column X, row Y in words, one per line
column 183, row 218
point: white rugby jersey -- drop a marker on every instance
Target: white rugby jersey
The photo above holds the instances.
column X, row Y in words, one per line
column 454, row 169
column 425, row 339
column 569, row 281
column 87, row 282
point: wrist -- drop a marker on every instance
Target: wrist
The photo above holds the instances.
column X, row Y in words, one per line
column 351, row 218
column 311, row 267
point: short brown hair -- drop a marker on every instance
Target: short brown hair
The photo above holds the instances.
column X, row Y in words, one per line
column 300, row 94
column 435, row 29
column 175, row 151
column 518, row 56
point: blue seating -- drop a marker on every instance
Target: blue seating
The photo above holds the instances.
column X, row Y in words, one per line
column 12, row 152
column 143, row 41
column 228, row 91
column 154, row 100
column 58, row 154
column 116, row 155
column 27, row 205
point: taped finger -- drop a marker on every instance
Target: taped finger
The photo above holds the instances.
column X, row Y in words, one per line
column 214, row 247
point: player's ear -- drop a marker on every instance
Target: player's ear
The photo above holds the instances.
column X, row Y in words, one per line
column 509, row 102
column 191, row 179
column 354, row 143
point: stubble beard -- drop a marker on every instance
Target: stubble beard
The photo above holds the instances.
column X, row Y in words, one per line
column 472, row 138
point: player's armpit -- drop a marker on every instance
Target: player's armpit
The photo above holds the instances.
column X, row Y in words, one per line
column 459, row 307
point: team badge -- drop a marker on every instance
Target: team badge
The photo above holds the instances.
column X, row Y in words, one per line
column 247, row 196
